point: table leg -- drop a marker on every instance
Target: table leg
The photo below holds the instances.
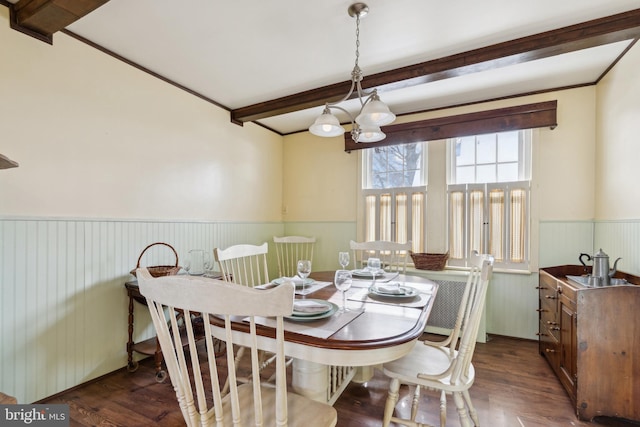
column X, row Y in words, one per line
column 320, row 382
column 310, row 379
column 130, row 364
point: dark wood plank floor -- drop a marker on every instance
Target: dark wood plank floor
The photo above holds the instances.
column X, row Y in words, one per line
column 514, row 388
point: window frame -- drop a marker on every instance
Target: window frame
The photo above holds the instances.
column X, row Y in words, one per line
column 525, row 166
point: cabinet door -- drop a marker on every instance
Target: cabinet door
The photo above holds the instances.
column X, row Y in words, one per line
column 568, row 345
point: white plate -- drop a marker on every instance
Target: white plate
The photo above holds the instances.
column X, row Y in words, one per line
column 409, row 292
column 326, row 304
column 367, row 273
column 308, row 317
column 281, row 280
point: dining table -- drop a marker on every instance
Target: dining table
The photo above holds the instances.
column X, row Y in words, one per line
column 334, row 348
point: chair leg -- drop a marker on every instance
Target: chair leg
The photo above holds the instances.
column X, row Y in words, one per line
column 443, row 409
column 392, row 399
column 414, row 404
column 472, row 410
column 462, row 409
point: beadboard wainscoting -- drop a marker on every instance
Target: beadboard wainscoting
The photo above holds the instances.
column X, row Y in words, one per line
column 63, row 302
column 64, row 307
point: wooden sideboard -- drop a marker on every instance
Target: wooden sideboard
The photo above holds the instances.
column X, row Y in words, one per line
column 591, row 339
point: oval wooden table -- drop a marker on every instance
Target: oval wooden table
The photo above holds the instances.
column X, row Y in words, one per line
column 386, row 329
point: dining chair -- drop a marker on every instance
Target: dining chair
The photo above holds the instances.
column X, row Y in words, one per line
column 244, row 264
column 290, row 249
column 433, row 367
column 451, row 342
column 197, row 375
column 393, row 256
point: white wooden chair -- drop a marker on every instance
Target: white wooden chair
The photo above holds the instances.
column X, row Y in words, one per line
column 290, row 249
column 197, row 378
column 393, row 256
column 433, row 367
column 244, row 264
column 464, row 311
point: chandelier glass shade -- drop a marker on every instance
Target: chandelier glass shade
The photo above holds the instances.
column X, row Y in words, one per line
column 373, row 112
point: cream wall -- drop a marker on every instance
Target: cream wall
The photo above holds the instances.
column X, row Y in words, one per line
column 319, row 179
column 618, row 141
column 563, row 167
column 97, row 138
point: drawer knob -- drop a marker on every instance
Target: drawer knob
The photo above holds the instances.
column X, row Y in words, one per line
column 549, row 350
column 550, row 296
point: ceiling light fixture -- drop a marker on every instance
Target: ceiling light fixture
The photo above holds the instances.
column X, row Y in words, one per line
column 373, row 112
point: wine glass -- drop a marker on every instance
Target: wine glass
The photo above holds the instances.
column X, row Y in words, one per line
column 304, row 269
column 342, row 281
column 343, row 259
column 373, row 265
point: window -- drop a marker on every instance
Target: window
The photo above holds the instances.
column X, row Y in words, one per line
column 488, row 197
column 394, row 189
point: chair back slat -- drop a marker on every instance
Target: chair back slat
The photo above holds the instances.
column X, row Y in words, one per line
column 393, row 256
column 243, row 264
column 471, row 325
column 173, row 301
column 290, row 249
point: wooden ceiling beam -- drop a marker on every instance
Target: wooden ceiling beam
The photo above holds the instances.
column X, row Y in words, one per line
column 623, row 26
column 42, row 18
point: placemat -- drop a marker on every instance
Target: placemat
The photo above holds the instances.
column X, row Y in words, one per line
column 322, row 328
column 302, row 291
column 361, row 282
column 308, row 289
column 418, row 301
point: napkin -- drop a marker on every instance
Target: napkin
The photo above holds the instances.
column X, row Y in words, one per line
column 309, row 307
column 297, row 280
column 391, row 289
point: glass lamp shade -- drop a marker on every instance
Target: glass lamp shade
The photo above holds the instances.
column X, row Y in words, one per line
column 371, row 134
column 326, row 125
column 375, row 113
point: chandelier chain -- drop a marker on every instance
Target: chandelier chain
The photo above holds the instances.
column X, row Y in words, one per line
column 356, row 74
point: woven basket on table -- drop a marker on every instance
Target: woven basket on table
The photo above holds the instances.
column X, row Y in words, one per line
column 426, row 261
column 159, row 270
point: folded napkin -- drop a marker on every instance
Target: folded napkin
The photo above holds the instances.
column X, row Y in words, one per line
column 391, row 289
column 303, row 306
column 297, row 280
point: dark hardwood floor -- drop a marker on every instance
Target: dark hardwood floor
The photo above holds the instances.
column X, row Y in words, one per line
column 514, row 387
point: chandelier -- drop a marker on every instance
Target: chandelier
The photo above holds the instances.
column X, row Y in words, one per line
column 373, row 112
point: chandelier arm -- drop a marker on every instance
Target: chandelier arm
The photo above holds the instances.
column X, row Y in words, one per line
column 343, row 110
column 347, row 96
column 365, row 96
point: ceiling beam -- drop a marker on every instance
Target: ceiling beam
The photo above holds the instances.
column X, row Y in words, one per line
column 42, row 18
column 623, row 26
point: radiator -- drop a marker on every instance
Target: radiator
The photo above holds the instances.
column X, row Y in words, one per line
column 445, row 308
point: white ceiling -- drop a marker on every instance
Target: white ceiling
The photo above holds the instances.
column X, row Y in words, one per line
column 238, row 53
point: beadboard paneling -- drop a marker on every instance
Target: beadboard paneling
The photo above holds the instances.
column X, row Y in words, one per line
column 561, row 242
column 63, row 306
column 620, row 239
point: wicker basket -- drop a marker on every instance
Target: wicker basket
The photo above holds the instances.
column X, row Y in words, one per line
column 159, row 270
column 425, row 261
